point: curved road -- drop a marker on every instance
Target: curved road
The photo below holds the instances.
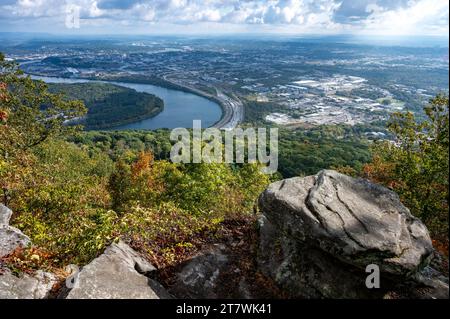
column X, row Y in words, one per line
column 233, row 109
column 233, row 112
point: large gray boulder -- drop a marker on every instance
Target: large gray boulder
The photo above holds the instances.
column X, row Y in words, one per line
column 37, row 286
column 319, row 233
column 119, row 273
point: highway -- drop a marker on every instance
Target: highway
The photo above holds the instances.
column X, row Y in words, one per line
column 233, row 112
column 232, row 107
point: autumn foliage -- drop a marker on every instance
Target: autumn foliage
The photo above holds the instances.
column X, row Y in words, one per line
column 416, row 165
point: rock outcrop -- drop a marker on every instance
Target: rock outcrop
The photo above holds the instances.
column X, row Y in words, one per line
column 10, row 237
column 37, row 286
column 119, row 273
column 319, row 233
column 26, row 286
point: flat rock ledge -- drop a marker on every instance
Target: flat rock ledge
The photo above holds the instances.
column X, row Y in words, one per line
column 119, row 273
column 319, row 233
column 37, row 286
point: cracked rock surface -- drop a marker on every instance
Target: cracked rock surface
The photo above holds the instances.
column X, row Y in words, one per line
column 119, row 273
column 318, row 234
column 26, row 286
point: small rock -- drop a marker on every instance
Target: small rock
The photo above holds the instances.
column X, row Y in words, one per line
column 5, row 215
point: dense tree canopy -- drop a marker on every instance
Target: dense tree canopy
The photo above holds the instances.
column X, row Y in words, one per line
column 416, row 163
column 110, row 105
column 30, row 115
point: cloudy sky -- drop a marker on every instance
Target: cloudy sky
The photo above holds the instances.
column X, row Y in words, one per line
column 380, row 17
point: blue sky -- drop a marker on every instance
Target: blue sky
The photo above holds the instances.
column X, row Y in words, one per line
column 360, row 17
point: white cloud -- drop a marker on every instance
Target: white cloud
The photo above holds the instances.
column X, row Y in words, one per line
column 376, row 16
column 420, row 17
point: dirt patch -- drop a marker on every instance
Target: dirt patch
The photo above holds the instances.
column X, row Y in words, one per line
column 240, row 278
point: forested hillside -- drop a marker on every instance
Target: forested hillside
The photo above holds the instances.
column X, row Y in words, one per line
column 74, row 199
column 302, row 152
column 75, row 192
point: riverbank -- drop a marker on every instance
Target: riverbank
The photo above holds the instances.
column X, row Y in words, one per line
column 229, row 118
column 181, row 105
